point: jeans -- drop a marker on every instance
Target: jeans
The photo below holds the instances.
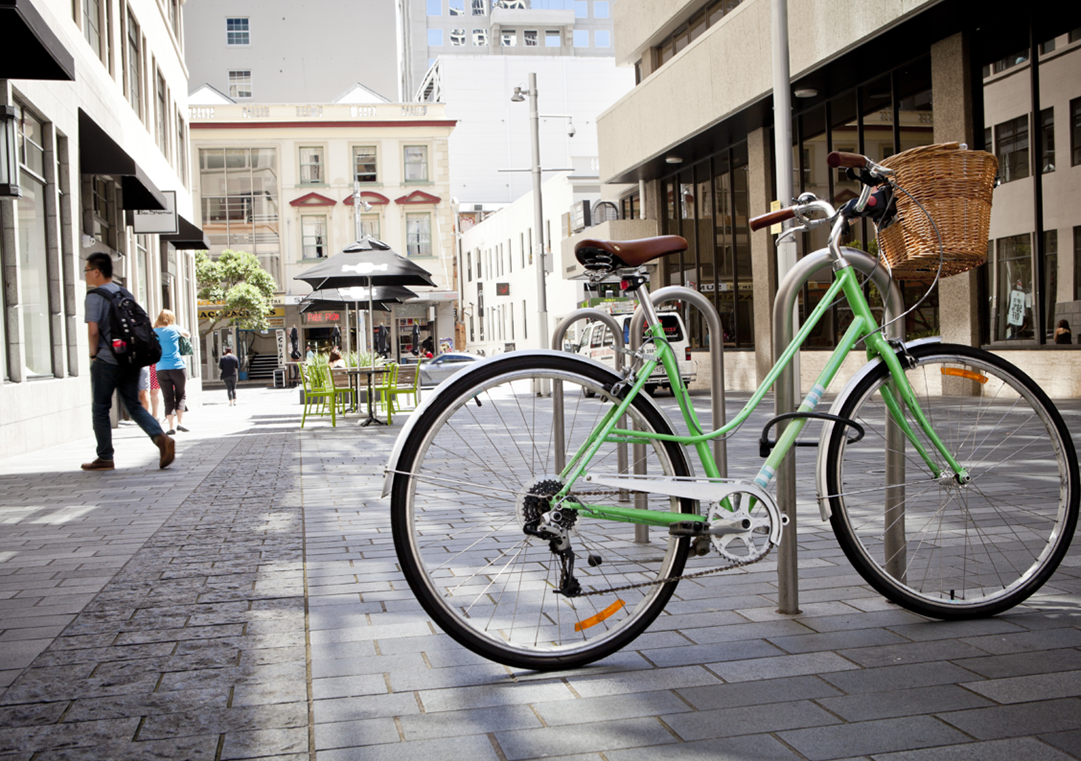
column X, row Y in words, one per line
column 172, row 384
column 105, row 378
column 230, row 385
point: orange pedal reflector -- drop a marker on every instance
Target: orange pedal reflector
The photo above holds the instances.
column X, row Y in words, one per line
column 594, row 620
column 978, row 377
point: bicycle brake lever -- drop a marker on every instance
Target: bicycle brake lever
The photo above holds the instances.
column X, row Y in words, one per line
column 791, row 233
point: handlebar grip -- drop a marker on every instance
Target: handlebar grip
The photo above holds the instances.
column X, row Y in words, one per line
column 772, row 218
column 841, row 158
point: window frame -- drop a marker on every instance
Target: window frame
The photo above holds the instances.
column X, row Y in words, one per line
column 319, row 246
column 246, row 32
column 375, row 164
column 239, row 76
column 133, row 60
column 320, row 165
column 406, row 180
column 411, row 216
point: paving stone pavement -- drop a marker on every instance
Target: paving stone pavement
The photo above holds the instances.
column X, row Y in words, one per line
column 246, row 604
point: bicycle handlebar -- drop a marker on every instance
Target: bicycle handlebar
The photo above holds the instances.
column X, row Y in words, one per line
column 842, row 158
column 772, row 218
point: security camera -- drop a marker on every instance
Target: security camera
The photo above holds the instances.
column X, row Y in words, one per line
column 570, row 129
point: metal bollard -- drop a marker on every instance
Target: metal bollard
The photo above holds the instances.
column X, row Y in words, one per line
column 716, row 355
column 786, row 388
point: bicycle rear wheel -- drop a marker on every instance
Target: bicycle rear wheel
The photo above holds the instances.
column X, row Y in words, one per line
column 459, row 502
column 934, row 546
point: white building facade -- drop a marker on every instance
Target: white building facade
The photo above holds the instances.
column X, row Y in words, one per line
column 278, row 181
column 96, row 94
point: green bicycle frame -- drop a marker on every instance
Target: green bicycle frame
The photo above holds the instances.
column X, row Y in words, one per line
column 897, row 395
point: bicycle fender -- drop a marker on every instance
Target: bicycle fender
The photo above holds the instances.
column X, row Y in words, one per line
column 444, row 388
column 827, row 429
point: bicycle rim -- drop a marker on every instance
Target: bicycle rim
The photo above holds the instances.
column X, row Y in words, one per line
column 941, row 548
column 458, row 522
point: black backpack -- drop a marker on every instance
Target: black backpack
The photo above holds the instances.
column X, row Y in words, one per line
column 134, row 342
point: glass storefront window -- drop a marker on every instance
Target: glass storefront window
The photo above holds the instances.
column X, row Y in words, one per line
column 33, row 276
column 1013, row 313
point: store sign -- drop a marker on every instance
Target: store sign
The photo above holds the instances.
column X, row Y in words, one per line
column 321, row 317
column 282, row 347
column 213, row 312
column 162, row 222
column 502, row 289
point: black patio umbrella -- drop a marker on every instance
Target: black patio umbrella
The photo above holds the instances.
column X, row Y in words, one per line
column 333, row 298
column 367, row 262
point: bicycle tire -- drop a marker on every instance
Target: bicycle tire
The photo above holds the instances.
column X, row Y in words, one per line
column 459, row 537
column 968, row 550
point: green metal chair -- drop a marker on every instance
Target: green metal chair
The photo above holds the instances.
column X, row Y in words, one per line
column 316, row 394
column 407, row 384
column 382, row 384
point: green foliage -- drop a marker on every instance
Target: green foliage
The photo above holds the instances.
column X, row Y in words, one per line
column 237, row 281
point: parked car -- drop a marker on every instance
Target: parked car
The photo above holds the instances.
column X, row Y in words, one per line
column 442, row 367
column 597, row 344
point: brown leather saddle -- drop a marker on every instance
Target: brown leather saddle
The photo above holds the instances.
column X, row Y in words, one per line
column 610, row 255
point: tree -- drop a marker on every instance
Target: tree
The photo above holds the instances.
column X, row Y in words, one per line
column 236, row 281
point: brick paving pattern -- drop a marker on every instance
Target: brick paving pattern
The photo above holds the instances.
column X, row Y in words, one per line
column 246, row 603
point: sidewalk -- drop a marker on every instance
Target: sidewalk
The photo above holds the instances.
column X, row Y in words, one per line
column 246, row 603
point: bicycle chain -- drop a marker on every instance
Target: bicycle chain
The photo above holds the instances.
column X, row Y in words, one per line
column 672, row 579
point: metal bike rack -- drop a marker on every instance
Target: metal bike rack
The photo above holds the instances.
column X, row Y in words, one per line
column 716, row 358
column 785, row 393
column 557, row 386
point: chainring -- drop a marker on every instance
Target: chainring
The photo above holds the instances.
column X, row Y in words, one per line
column 752, row 545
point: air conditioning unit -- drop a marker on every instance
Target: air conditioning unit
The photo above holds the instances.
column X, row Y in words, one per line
column 604, row 211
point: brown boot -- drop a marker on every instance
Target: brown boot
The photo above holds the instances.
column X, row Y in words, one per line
column 98, row 464
column 167, row 449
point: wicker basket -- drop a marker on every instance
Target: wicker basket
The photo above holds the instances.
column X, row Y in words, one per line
column 955, row 187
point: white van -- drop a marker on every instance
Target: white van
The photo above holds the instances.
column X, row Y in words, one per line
column 597, row 344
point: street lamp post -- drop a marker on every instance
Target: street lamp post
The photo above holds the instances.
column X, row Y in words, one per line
column 538, row 207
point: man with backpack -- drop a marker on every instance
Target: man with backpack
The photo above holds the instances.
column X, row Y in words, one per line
column 115, row 361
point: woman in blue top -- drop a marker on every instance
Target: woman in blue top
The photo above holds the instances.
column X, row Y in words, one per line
column 172, row 372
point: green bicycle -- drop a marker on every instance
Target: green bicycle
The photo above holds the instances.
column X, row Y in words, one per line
column 949, row 478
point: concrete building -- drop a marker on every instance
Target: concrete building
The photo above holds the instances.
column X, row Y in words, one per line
column 497, row 271
column 273, row 51
column 431, row 29
column 277, row 180
column 94, row 96
column 697, row 132
column 493, row 133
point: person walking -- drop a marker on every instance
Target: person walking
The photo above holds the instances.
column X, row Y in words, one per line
column 230, row 368
column 155, row 392
column 172, row 372
column 107, row 375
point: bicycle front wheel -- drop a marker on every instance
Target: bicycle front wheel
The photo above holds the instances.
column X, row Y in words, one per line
column 478, row 466
column 930, row 544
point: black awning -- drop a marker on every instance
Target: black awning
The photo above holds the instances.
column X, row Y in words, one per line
column 188, row 236
column 100, row 154
column 31, row 50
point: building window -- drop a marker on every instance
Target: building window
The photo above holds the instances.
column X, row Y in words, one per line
column 1010, row 61
column 435, row 38
column 472, row 334
column 581, row 9
column 529, row 38
column 457, row 7
column 1011, row 147
column 600, row 9
column 240, row 84
column 102, row 206
column 161, row 112
column 416, row 163
column 581, row 38
column 181, row 150
column 239, row 188
column 1013, row 261
column 418, row 234
column 33, row 277
column 480, row 8
column 1050, row 283
column 469, row 265
column 1047, row 140
column 435, row 7
column 313, row 232
column 142, row 264
column 369, row 225
column 237, row 31
column 602, row 38
column 553, row 38
column 1077, row 267
column 311, row 166
column 480, row 38
column 134, row 68
column 364, row 164
column 513, row 5
column 457, row 37
column 1075, row 132
column 525, row 321
column 92, row 25
column 508, row 38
